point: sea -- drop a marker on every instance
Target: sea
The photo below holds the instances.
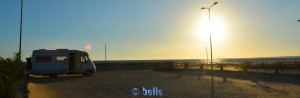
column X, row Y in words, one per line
column 217, row 60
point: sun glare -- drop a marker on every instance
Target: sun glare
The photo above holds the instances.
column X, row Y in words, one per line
column 88, row 47
column 216, row 28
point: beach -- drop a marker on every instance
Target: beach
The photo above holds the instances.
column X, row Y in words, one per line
column 189, row 83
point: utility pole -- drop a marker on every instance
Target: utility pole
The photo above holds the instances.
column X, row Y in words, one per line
column 20, row 43
column 105, row 52
column 206, row 56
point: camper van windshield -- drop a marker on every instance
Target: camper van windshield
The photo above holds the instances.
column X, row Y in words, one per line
column 84, row 59
column 86, row 55
column 88, row 58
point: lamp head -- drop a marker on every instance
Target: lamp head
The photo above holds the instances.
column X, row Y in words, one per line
column 203, row 8
column 215, row 3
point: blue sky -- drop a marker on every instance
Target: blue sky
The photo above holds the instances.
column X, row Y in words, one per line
column 152, row 29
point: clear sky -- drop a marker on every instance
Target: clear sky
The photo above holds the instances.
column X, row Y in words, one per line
column 153, row 29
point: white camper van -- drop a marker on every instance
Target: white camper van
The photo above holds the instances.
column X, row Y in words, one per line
column 60, row 61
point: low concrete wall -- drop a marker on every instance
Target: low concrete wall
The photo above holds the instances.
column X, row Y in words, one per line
column 134, row 66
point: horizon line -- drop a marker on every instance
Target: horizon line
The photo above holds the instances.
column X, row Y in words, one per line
column 202, row 59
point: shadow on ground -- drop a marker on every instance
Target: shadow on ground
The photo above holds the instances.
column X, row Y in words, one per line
column 251, row 76
column 46, row 79
column 256, row 78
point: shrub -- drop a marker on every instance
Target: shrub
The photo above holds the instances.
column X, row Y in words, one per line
column 244, row 66
column 278, row 66
column 11, row 70
column 186, row 64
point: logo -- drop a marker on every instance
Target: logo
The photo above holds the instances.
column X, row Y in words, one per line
column 135, row 91
column 154, row 91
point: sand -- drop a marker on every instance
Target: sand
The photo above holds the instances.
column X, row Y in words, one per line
column 192, row 84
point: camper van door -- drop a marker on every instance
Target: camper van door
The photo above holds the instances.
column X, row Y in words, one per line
column 74, row 62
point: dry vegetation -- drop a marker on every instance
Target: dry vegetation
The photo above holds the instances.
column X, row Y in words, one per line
column 11, row 70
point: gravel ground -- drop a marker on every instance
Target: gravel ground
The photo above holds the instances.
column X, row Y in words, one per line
column 182, row 84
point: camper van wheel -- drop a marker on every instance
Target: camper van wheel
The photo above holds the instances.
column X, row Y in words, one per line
column 53, row 75
column 88, row 73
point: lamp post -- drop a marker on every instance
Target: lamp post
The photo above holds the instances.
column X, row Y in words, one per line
column 105, row 53
column 206, row 55
column 211, row 60
column 20, row 43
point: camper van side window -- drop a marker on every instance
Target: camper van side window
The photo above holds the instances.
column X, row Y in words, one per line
column 43, row 59
column 61, row 58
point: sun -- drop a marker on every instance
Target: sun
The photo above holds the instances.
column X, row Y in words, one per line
column 216, row 28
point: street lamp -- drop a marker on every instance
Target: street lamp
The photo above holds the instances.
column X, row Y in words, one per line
column 211, row 60
column 20, row 43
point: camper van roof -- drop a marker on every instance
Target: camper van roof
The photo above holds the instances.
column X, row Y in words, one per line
column 61, row 49
column 58, row 51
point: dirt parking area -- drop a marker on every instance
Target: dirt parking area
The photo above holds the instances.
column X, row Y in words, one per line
column 188, row 84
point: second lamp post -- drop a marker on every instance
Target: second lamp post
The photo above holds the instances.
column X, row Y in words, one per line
column 211, row 57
